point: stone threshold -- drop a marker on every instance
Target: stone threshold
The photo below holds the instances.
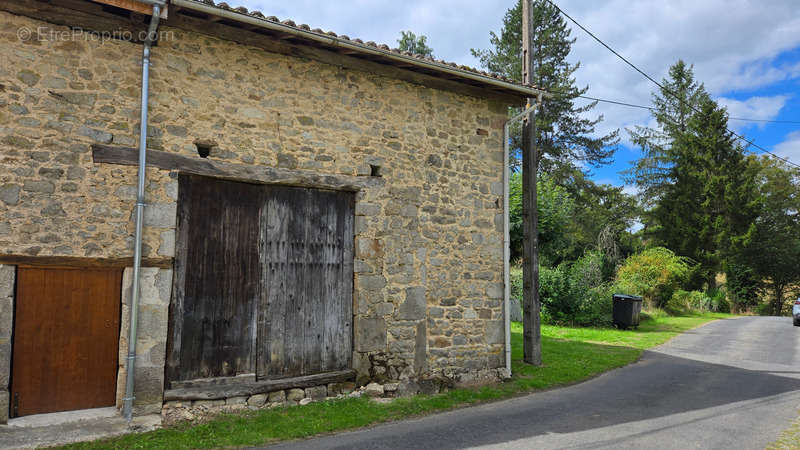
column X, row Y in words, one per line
column 63, row 417
column 204, row 390
column 55, row 429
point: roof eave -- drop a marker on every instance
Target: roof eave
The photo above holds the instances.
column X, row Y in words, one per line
column 522, row 91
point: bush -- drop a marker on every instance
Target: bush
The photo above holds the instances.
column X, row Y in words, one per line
column 557, row 300
column 683, row 301
column 764, row 309
column 655, row 274
column 515, row 277
column 597, row 307
column 574, row 293
column 719, row 301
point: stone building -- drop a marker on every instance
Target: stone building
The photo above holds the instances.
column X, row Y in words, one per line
column 252, row 123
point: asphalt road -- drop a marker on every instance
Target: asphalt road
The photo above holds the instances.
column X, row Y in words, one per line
column 732, row 384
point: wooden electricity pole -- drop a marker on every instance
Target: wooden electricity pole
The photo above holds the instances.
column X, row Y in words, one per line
column 531, row 329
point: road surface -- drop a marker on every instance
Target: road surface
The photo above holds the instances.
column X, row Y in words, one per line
column 729, row 384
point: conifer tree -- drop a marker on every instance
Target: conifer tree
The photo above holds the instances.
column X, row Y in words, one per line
column 565, row 135
column 695, row 177
column 673, row 106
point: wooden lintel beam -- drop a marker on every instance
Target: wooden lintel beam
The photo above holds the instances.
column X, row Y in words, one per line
column 128, row 156
column 78, row 262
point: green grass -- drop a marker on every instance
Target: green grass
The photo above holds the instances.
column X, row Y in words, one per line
column 569, row 355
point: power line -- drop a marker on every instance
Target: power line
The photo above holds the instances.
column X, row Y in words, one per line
column 631, row 105
column 765, row 120
column 660, row 85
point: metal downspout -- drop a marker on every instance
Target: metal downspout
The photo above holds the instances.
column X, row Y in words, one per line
column 127, row 401
column 507, row 238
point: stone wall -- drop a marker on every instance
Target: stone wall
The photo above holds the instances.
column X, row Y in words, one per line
column 151, row 337
column 428, row 283
column 7, row 278
column 200, row 410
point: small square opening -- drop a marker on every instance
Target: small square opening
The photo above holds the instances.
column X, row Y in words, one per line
column 203, row 149
column 374, row 171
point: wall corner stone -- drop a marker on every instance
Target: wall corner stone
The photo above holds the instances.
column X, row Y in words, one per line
column 370, row 334
column 151, row 340
column 7, row 281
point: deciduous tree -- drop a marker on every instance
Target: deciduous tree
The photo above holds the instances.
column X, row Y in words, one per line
column 417, row 45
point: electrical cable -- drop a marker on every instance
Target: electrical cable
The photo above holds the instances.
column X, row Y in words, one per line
column 663, row 88
column 617, row 102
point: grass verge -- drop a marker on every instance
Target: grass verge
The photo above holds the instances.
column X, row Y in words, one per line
column 789, row 439
column 569, row 355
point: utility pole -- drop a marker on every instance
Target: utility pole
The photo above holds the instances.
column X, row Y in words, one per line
column 531, row 328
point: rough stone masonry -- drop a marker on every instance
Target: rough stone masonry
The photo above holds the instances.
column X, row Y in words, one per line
column 428, row 241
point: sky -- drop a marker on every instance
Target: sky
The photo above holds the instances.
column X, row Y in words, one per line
column 746, row 52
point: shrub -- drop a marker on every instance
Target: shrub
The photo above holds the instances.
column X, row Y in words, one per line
column 764, row 309
column 596, row 309
column 719, row 301
column 655, row 274
column 574, row 293
column 682, row 301
column 515, row 277
column 554, row 294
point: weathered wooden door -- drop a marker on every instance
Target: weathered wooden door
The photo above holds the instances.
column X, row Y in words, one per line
column 263, row 281
column 305, row 313
column 218, row 261
column 66, row 339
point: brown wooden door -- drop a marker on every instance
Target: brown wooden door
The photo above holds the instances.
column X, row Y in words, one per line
column 66, row 339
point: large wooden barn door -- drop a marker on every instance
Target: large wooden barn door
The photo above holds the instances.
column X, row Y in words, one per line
column 306, row 310
column 66, row 339
column 263, row 281
column 221, row 276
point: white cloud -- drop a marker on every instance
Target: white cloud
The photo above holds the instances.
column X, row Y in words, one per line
column 631, row 189
column 790, row 147
column 762, row 108
column 732, row 46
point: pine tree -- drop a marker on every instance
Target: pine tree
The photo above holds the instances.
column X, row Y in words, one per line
column 695, row 177
column 566, row 136
column 673, row 106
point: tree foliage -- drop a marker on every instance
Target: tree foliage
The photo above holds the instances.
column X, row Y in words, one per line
column 673, row 106
column 574, row 219
column 655, row 274
column 417, row 45
column 696, row 177
column 556, row 210
column 773, row 253
column 565, row 135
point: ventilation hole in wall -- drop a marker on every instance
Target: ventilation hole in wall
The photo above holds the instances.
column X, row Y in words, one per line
column 203, row 149
column 375, row 171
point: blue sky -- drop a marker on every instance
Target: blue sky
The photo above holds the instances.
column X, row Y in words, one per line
column 746, row 52
column 780, row 138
